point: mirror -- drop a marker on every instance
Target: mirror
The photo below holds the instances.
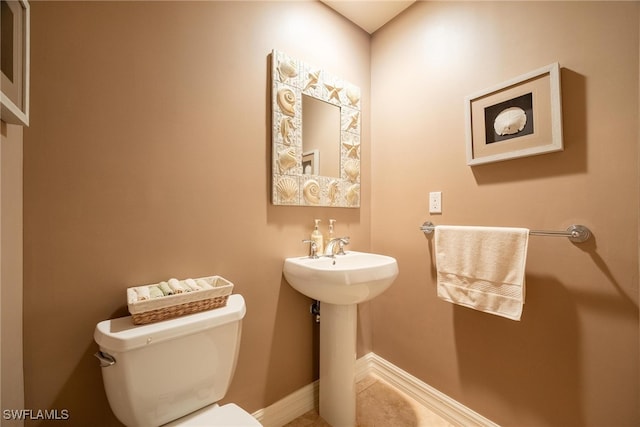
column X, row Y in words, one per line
column 315, row 136
column 320, row 137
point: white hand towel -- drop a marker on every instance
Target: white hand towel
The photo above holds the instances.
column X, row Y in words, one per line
column 482, row 268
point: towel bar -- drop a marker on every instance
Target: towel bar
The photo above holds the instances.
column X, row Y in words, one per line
column 575, row 233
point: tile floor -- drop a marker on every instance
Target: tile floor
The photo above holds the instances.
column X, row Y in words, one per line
column 380, row 405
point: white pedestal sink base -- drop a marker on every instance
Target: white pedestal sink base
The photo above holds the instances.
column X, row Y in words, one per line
column 337, row 364
column 340, row 283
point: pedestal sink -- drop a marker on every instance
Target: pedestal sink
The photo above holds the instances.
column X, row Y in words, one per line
column 340, row 283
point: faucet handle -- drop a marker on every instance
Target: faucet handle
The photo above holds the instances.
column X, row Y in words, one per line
column 313, row 248
column 341, row 244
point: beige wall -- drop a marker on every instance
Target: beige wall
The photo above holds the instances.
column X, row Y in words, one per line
column 11, row 147
column 573, row 359
column 148, row 158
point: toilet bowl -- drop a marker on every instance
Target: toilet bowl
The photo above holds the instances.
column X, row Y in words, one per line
column 173, row 372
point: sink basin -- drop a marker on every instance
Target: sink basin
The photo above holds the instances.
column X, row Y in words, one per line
column 345, row 279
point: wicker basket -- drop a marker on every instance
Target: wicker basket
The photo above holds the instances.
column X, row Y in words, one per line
column 171, row 306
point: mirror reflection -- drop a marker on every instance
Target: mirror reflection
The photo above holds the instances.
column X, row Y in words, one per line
column 320, row 137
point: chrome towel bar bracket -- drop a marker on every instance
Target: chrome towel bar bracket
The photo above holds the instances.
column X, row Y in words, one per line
column 575, row 233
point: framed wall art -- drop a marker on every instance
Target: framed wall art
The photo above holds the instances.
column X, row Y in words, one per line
column 14, row 64
column 518, row 118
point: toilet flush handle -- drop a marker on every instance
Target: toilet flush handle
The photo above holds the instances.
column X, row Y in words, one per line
column 105, row 359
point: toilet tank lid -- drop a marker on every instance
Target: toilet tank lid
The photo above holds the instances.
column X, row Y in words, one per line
column 121, row 334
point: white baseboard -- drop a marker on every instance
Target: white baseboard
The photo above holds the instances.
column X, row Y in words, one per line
column 290, row 407
column 306, row 398
column 432, row 399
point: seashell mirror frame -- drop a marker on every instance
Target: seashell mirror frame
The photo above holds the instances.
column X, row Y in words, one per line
column 290, row 79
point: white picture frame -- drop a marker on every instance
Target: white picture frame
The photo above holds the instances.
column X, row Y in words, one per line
column 517, row 118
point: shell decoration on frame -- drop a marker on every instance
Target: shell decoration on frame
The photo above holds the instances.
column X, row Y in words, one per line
column 287, row 159
column 311, row 191
column 287, row 188
column 353, row 148
column 353, row 96
column 286, row 128
column 314, row 77
column 334, row 91
column 352, row 169
column 510, row 121
column 287, row 69
column 291, row 80
column 354, row 119
column 287, row 101
column 334, row 190
column 353, row 194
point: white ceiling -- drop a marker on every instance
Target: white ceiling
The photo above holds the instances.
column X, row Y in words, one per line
column 369, row 14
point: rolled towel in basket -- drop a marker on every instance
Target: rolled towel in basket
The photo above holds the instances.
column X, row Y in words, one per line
column 132, row 296
column 155, row 292
column 176, row 286
column 143, row 292
column 164, row 287
column 191, row 284
column 203, row 284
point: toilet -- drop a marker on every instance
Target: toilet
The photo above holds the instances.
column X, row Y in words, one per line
column 172, row 373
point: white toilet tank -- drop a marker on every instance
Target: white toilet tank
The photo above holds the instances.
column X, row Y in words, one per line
column 168, row 369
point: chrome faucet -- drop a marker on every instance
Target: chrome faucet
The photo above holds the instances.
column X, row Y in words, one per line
column 313, row 249
column 341, row 242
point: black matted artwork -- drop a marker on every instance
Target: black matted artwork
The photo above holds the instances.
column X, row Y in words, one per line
column 524, row 102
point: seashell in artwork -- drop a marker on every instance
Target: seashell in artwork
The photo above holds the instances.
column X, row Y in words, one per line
column 352, row 146
column 286, row 127
column 353, row 121
column 510, row 121
column 334, row 92
column 334, row 190
column 353, row 194
column 311, row 191
column 287, row 101
column 352, row 169
column 287, row 188
column 287, row 69
column 353, row 96
column 287, row 159
column 313, row 80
